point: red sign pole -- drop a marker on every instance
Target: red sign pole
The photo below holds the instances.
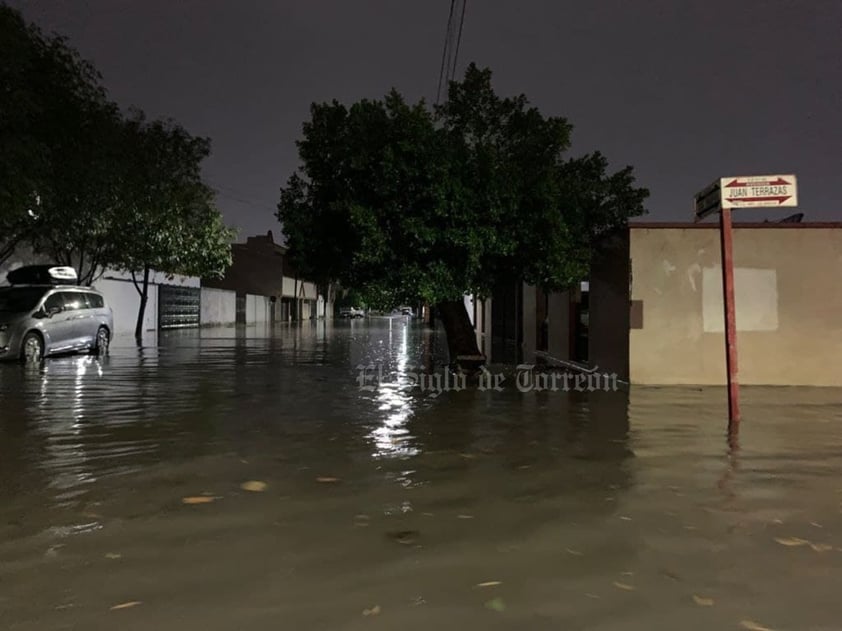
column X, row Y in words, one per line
column 730, row 319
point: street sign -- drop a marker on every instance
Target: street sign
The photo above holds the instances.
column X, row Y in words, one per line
column 767, row 191
column 706, row 201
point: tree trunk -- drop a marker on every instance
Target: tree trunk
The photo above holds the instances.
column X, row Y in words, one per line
column 141, row 312
column 461, row 336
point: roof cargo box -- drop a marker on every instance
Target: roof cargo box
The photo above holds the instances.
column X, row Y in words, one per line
column 43, row 275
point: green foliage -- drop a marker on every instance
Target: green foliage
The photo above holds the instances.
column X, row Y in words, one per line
column 169, row 222
column 104, row 189
column 50, row 102
column 404, row 203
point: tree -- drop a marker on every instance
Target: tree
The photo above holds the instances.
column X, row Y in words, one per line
column 58, row 135
column 79, row 222
column 408, row 204
column 170, row 224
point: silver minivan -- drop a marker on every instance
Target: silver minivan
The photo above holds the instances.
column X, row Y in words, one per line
column 51, row 315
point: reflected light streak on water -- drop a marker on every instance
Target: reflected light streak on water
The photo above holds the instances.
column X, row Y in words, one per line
column 392, row 438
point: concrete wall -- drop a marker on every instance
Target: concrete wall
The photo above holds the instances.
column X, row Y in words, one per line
column 469, row 307
column 124, row 300
column 308, row 289
column 219, row 307
column 155, row 278
column 258, row 310
column 289, row 286
column 121, row 295
column 482, row 324
column 788, row 284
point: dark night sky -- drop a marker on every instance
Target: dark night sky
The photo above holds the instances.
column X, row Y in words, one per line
column 686, row 91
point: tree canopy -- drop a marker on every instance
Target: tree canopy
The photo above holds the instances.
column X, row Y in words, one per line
column 88, row 184
column 406, row 202
column 431, row 205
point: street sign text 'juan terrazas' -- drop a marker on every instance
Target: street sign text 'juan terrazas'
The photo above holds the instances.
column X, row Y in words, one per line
column 768, row 191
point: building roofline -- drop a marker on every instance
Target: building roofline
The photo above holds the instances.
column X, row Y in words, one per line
column 658, row 225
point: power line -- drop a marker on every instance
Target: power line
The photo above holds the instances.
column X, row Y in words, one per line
column 444, row 51
column 458, row 39
column 450, row 52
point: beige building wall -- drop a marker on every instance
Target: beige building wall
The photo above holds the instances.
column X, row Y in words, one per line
column 788, row 295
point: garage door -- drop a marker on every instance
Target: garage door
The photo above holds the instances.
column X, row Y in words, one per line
column 179, row 307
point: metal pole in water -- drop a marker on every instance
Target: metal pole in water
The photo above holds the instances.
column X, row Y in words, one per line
column 726, row 234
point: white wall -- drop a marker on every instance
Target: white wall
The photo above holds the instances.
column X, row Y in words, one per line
column 124, row 300
column 121, row 295
column 219, row 307
column 309, row 290
column 469, row 307
column 289, row 286
column 156, row 278
column 257, row 309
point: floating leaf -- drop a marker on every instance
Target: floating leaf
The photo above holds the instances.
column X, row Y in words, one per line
column 490, row 584
column 404, row 537
column 113, row 555
column 753, row 626
column 791, row 541
column 131, row 603
column 465, row 516
column 575, row 553
column 625, row 586
column 703, row 602
column 326, row 479
column 198, row 499
column 374, row 611
column 821, row 547
column 496, row 604
column 255, row 486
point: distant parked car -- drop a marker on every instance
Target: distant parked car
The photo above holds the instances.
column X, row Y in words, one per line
column 351, row 312
column 44, row 313
column 407, row 311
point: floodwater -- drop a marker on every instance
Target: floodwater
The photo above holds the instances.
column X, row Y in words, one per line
column 123, row 507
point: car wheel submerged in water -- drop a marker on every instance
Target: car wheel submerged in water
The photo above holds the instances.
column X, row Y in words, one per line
column 103, row 339
column 32, row 349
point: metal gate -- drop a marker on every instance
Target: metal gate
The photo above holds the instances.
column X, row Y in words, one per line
column 179, row 307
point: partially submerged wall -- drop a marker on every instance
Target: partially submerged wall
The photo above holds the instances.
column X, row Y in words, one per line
column 788, row 295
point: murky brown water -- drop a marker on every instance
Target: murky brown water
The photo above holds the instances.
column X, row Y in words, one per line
column 598, row 511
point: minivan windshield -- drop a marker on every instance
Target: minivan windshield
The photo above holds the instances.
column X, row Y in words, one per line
column 19, row 299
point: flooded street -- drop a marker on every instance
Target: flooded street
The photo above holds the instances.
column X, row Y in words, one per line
column 222, row 480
